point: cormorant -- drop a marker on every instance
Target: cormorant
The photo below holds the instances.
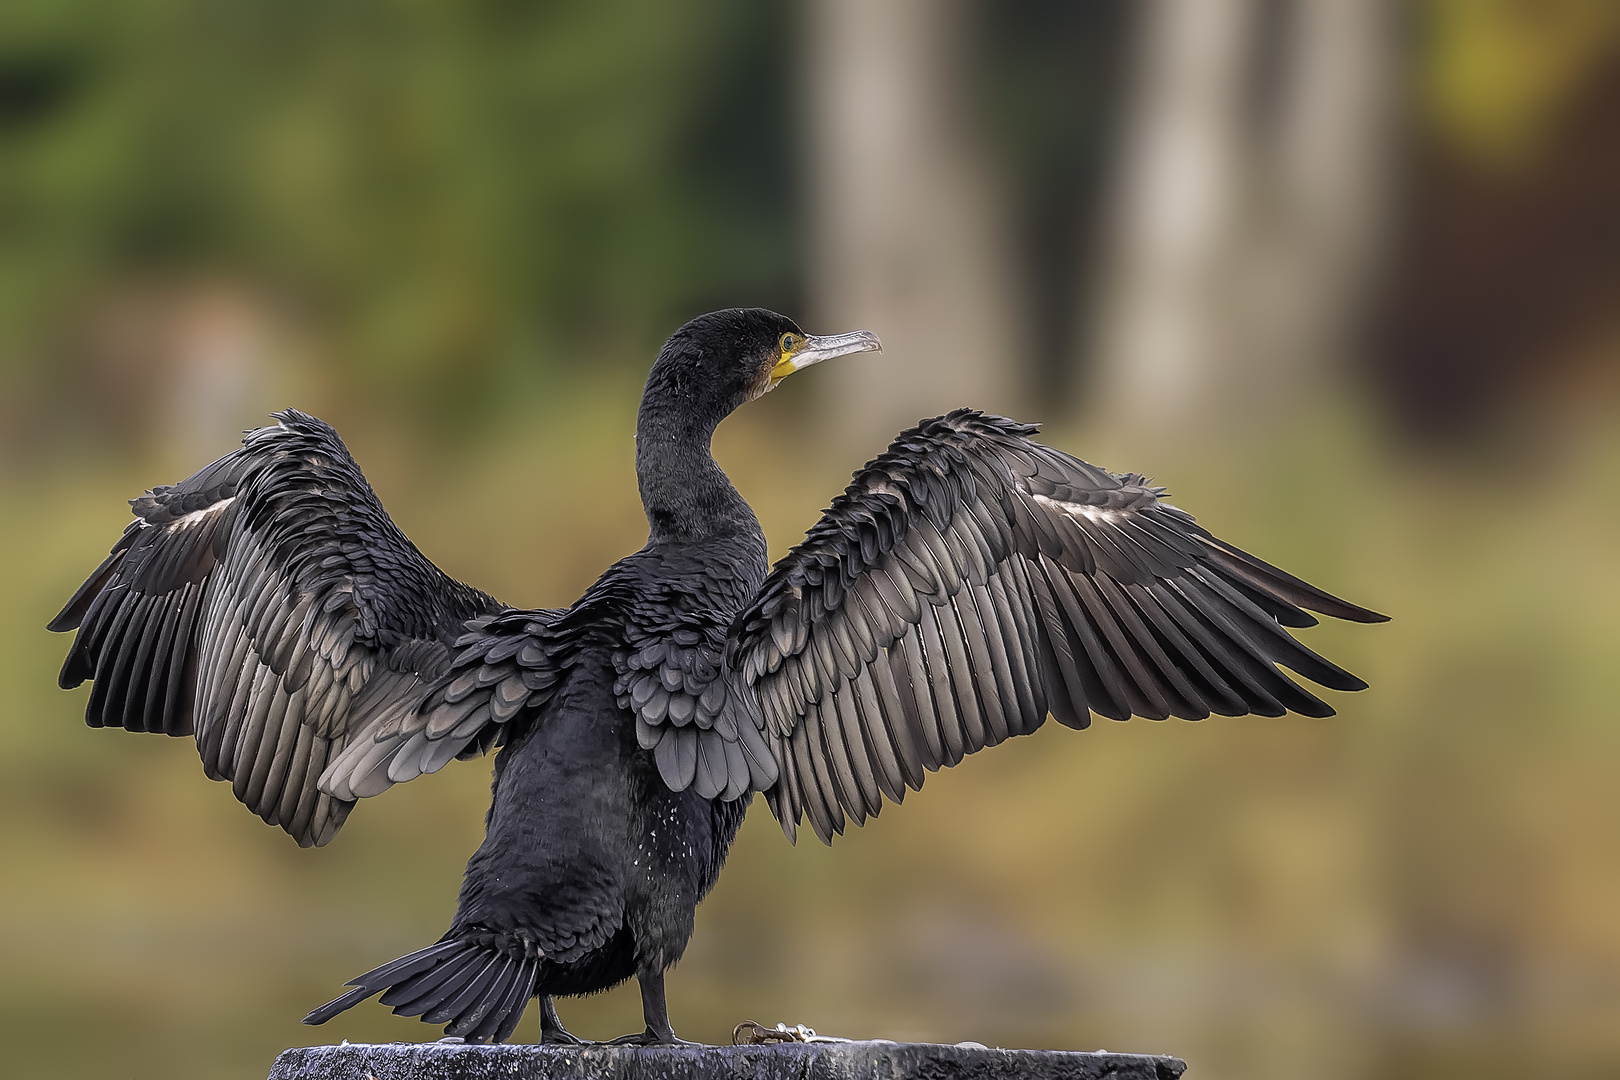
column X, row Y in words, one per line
column 968, row 582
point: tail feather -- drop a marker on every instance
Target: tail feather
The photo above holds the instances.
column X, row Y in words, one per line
column 477, row 990
column 503, row 1019
column 474, row 1018
column 396, row 971
column 473, row 988
column 415, row 996
column 433, row 995
column 339, row 1004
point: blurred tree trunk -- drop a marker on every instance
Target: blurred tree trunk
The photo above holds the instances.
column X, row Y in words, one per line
column 1249, row 204
column 178, row 367
column 905, row 237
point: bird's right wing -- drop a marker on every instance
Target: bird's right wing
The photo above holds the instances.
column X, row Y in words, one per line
column 969, row 581
column 269, row 606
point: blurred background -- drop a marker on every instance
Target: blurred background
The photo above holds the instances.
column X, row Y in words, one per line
column 1342, row 273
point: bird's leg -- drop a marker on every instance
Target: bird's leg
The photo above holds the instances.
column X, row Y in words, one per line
column 552, row 1033
column 658, row 1032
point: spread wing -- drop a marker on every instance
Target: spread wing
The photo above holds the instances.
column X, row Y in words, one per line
column 270, row 607
column 971, row 580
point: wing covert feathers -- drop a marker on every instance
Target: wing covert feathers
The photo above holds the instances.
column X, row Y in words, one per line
column 671, row 677
column 268, row 606
column 503, row 666
column 970, row 581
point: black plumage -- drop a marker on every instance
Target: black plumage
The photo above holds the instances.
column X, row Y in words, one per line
column 969, row 582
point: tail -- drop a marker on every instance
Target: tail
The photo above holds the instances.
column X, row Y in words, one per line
column 477, row 990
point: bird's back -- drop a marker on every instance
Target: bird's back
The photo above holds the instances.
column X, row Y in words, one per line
column 585, row 837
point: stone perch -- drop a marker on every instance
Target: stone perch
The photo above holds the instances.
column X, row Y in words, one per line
column 786, row 1061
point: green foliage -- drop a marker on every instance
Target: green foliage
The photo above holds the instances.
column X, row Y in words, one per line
column 448, row 190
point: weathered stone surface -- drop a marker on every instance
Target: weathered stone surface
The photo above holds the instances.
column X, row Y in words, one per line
column 789, row 1061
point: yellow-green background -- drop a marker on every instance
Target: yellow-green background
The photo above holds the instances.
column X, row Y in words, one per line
column 480, row 220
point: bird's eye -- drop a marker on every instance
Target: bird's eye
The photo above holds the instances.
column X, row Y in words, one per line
column 789, row 342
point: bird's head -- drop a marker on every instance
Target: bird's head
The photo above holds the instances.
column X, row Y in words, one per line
column 721, row 360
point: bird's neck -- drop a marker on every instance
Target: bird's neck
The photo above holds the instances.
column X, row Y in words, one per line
column 686, row 495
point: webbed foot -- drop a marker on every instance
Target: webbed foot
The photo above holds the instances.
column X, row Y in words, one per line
column 552, row 1033
column 651, row 1038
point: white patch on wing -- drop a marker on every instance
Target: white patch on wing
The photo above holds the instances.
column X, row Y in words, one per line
column 186, row 521
column 1091, row 513
column 884, row 486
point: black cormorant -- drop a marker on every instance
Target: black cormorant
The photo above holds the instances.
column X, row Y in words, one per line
column 968, row 582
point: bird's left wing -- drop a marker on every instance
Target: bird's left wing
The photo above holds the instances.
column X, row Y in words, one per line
column 969, row 581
